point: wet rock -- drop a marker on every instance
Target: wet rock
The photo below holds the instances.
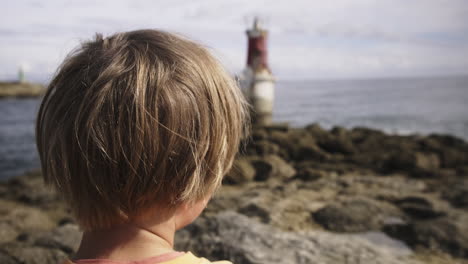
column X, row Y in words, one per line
column 355, row 215
column 251, row 242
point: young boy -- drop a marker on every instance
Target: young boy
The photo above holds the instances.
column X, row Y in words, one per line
column 136, row 131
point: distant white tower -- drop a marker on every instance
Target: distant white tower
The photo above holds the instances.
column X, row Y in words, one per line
column 257, row 80
column 21, row 77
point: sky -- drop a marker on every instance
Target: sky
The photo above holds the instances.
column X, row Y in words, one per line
column 308, row 39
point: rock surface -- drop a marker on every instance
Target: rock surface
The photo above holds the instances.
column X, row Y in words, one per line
column 295, row 196
column 253, row 243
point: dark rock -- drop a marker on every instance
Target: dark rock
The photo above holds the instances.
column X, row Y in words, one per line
column 255, row 211
column 462, row 170
column 413, row 162
column 419, row 207
column 259, row 134
column 337, row 145
column 7, row 259
column 30, row 189
column 284, row 127
column 457, row 193
column 263, row 170
column 283, row 140
column 311, row 152
column 338, row 141
column 317, row 132
column 453, row 158
column 280, row 138
column 272, row 166
column 355, row 215
column 265, row 147
column 24, row 237
column 453, row 151
column 366, row 136
column 66, row 220
column 446, row 233
column 310, row 174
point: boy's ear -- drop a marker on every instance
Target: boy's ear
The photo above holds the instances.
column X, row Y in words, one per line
column 187, row 212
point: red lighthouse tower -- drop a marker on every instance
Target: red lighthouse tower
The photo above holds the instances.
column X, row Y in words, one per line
column 257, row 80
column 257, row 47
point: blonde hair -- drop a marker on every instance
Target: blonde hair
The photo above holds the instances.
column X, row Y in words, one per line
column 137, row 119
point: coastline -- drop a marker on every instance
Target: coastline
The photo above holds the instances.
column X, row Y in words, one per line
column 21, row 89
column 345, row 195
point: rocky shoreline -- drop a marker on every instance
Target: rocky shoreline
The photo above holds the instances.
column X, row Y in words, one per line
column 21, row 89
column 295, row 195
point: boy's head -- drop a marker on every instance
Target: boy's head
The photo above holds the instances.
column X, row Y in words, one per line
column 138, row 119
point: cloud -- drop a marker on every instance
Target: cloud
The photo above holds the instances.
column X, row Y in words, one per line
column 308, row 39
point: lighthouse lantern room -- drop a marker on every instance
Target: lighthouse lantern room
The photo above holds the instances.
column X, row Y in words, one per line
column 257, row 80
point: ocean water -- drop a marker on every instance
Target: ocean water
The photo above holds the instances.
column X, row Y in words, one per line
column 17, row 146
column 401, row 106
column 397, row 106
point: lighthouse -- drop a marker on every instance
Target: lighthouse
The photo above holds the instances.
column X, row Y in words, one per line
column 257, row 80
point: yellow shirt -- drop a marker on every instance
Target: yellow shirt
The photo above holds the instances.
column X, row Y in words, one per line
column 187, row 258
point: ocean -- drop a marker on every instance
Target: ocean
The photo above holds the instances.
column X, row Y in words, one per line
column 397, row 106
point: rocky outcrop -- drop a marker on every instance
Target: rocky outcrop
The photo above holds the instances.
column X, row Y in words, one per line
column 356, row 215
column 294, row 196
column 251, row 242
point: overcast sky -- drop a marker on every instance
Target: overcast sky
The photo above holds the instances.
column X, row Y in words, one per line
column 308, row 39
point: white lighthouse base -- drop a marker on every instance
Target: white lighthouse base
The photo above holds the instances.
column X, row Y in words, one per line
column 261, row 95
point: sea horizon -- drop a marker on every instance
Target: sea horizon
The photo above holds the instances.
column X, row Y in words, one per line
column 402, row 106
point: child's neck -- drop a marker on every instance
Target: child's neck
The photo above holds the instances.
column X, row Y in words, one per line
column 129, row 242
